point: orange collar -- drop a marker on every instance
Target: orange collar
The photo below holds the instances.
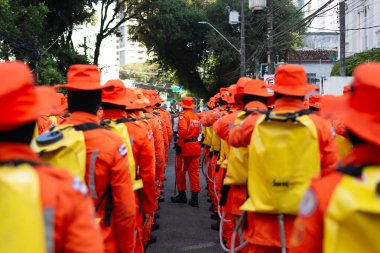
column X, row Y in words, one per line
column 82, row 117
column 363, row 155
column 288, row 104
column 114, row 114
column 17, row 151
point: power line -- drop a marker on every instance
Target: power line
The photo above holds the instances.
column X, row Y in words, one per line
column 350, row 29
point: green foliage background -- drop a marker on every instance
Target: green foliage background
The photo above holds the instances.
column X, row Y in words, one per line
column 355, row 60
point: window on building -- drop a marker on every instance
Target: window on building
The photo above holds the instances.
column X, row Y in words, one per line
column 312, row 78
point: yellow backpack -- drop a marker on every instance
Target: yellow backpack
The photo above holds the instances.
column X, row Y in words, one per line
column 64, row 147
column 21, row 219
column 352, row 220
column 237, row 170
column 283, row 158
column 344, row 145
column 208, row 136
column 119, row 128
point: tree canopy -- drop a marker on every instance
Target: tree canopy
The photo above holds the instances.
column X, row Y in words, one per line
column 201, row 59
column 39, row 32
column 355, row 60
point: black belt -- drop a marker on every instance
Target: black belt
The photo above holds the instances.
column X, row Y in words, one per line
column 190, row 140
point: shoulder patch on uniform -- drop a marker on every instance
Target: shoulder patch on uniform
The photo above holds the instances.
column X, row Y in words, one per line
column 308, row 203
column 79, row 186
column 122, row 150
column 180, row 117
column 333, row 131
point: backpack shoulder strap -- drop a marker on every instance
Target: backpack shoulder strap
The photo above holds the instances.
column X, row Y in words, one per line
column 125, row 120
column 107, row 196
column 19, row 162
column 285, row 116
column 87, row 126
column 351, row 170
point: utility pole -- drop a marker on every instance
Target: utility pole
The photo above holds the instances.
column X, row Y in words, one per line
column 342, row 24
column 85, row 46
column 270, row 37
column 242, row 41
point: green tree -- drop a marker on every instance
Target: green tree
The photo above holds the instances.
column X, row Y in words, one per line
column 356, row 59
column 39, row 32
column 170, row 30
column 202, row 60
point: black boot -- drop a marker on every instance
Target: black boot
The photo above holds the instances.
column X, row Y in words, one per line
column 155, row 226
column 214, row 216
column 215, row 226
column 180, row 198
column 194, row 199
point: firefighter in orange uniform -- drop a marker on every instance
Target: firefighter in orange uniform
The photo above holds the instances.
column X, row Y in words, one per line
column 118, row 104
column 67, row 207
column 47, row 121
column 189, row 148
column 107, row 173
column 326, row 220
column 290, row 88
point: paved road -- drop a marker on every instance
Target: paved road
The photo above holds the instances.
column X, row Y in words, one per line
column 184, row 228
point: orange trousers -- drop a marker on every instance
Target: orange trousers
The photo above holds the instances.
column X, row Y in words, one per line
column 146, row 230
column 250, row 248
column 191, row 165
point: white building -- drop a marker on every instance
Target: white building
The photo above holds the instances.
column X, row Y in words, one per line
column 129, row 51
column 86, row 34
column 114, row 51
column 327, row 20
column 362, row 25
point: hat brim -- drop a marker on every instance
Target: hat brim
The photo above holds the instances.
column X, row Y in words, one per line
column 286, row 90
column 360, row 123
column 186, row 106
column 73, row 87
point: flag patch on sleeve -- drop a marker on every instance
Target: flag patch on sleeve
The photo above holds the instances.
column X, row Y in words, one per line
column 123, row 150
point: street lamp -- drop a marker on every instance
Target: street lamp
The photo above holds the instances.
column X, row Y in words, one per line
column 232, row 45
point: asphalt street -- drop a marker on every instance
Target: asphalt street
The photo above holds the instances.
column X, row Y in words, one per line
column 184, row 228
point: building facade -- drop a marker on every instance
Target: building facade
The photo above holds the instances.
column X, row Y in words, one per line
column 129, row 51
column 362, row 25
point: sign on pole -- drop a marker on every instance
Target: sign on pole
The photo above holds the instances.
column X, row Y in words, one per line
column 269, row 81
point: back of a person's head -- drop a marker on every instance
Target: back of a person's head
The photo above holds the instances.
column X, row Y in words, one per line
column 84, row 101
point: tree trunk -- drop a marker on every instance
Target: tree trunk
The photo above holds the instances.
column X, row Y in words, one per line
column 97, row 49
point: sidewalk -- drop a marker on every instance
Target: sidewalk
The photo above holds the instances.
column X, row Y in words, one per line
column 184, row 228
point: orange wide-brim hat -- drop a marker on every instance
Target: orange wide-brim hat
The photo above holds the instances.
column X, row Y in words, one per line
column 211, row 102
column 114, row 92
column 21, row 102
column 82, row 77
column 291, row 80
column 187, row 102
column 141, row 101
column 359, row 109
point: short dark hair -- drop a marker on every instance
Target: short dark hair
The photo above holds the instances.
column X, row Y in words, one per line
column 20, row 134
column 84, row 101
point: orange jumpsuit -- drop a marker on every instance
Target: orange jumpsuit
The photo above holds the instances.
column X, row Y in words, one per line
column 158, row 145
column 143, row 152
column 106, row 166
column 222, row 128
column 308, row 231
column 262, row 232
column 74, row 227
column 166, row 119
column 189, row 128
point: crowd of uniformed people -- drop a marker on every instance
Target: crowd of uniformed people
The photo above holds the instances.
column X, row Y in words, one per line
column 286, row 169
column 290, row 170
column 81, row 172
